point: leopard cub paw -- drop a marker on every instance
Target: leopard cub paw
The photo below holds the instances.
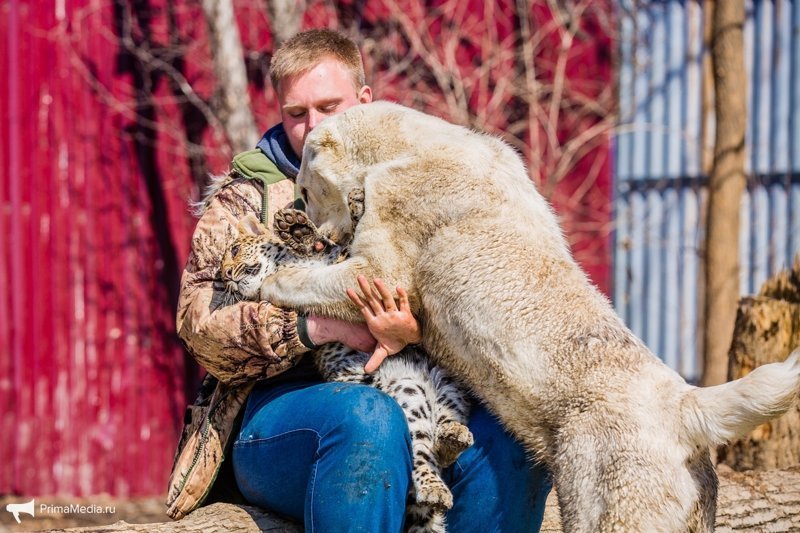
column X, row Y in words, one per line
column 355, row 203
column 433, row 492
column 452, row 438
column 296, row 231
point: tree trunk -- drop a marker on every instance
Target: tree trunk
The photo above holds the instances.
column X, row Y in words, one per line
column 725, row 187
column 286, row 17
column 233, row 107
column 767, row 330
column 751, row 501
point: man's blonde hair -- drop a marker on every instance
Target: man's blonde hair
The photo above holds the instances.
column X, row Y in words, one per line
column 305, row 50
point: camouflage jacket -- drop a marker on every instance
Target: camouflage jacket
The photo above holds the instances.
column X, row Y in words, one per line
column 237, row 344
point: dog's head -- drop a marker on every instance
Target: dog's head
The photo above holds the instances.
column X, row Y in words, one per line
column 327, row 175
column 341, row 151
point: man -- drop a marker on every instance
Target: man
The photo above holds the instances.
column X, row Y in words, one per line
column 333, row 455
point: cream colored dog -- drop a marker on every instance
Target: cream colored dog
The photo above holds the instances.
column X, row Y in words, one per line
column 452, row 216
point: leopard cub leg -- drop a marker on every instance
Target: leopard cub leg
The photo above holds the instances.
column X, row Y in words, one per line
column 452, row 410
column 424, row 519
column 410, row 388
column 452, row 438
column 337, row 362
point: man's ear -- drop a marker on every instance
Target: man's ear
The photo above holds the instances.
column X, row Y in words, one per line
column 365, row 94
column 251, row 225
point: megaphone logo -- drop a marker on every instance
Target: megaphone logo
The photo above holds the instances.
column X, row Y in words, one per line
column 16, row 508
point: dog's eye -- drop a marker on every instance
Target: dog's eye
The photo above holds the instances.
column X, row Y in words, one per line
column 234, row 250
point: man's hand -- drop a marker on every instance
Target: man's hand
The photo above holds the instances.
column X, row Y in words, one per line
column 390, row 322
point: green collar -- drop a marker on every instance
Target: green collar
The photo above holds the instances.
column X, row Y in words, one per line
column 253, row 164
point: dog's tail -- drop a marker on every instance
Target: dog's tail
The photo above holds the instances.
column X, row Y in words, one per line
column 715, row 415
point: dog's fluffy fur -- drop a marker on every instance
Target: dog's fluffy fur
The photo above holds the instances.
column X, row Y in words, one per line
column 452, row 216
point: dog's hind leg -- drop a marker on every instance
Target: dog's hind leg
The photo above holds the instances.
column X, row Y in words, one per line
column 704, row 511
column 624, row 484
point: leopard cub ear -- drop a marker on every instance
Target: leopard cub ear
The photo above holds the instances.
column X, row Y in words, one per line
column 251, row 225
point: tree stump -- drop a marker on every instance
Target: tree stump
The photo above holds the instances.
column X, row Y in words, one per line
column 767, row 329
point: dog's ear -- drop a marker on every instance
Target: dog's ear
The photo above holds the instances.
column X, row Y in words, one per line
column 251, row 225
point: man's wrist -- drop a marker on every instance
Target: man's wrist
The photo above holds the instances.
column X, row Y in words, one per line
column 319, row 329
column 305, row 325
column 322, row 330
column 417, row 336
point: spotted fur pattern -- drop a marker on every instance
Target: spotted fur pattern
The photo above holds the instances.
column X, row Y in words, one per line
column 435, row 408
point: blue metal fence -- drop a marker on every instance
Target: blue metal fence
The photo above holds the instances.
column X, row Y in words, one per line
column 664, row 143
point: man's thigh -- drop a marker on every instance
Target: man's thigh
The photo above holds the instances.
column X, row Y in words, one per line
column 296, row 437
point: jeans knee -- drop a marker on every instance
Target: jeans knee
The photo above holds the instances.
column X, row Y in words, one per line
column 368, row 442
column 368, row 414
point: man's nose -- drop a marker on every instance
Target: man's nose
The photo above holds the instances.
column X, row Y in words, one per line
column 313, row 119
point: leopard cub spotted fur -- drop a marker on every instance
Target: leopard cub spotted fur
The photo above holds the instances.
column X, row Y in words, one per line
column 434, row 406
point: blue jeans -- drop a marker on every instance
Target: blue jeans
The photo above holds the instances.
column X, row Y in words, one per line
column 336, row 456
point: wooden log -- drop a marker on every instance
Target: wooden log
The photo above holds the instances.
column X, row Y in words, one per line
column 214, row 518
column 767, row 329
column 748, row 501
column 758, row 501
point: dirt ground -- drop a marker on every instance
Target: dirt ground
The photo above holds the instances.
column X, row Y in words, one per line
column 63, row 512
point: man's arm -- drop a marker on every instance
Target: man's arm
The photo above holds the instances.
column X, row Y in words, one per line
column 239, row 342
column 244, row 341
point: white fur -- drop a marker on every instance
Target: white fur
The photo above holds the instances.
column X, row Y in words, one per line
column 715, row 415
column 452, row 216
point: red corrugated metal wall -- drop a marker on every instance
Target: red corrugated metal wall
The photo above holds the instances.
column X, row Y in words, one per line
column 94, row 229
column 99, row 156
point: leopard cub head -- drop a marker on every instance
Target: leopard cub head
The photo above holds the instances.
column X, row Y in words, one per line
column 257, row 254
column 253, row 256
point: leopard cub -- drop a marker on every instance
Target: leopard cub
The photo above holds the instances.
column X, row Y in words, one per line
column 434, row 406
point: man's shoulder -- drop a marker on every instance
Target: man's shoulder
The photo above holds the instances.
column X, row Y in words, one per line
column 250, row 173
column 254, row 164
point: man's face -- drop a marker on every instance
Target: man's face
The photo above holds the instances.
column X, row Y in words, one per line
column 327, row 89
